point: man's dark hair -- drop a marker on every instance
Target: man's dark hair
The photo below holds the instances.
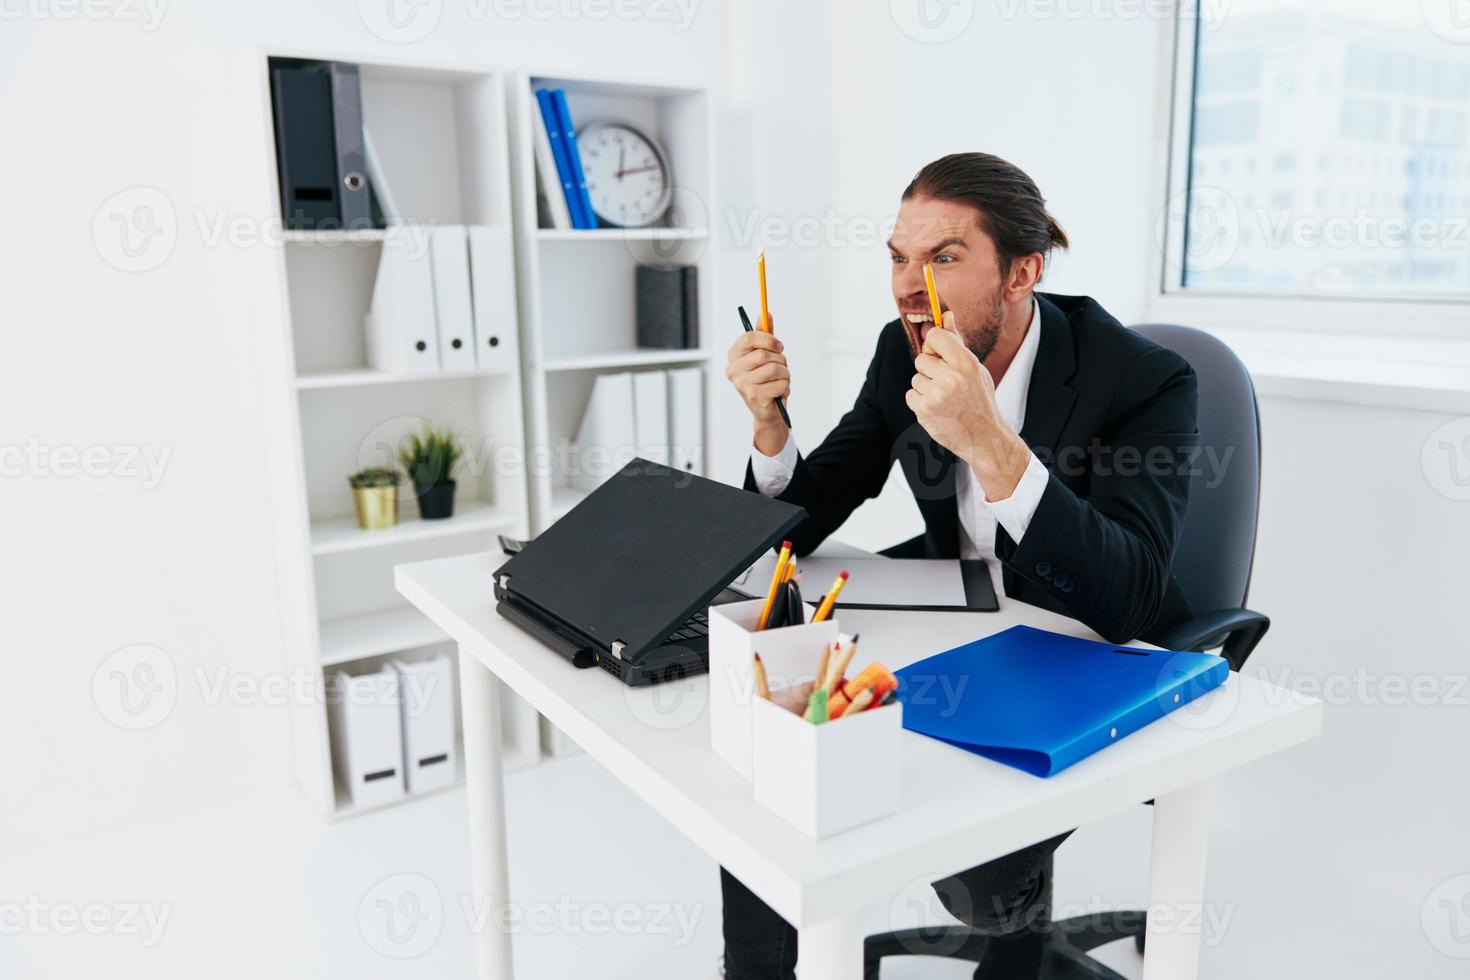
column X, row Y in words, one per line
column 1012, row 211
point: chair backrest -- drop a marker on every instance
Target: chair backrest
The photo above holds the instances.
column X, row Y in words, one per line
column 1218, row 545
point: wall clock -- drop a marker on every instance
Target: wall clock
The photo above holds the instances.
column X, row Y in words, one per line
column 628, row 175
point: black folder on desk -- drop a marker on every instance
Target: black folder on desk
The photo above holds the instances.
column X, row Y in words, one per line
column 925, row 585
column 622, row 581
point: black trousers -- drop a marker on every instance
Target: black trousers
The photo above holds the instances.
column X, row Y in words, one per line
column 1008, row 898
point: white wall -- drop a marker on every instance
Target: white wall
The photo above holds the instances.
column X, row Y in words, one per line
column 164, row 359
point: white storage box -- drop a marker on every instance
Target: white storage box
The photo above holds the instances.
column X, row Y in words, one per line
column 790, row 656
column 427, row 688
column 367, row 736
column 827, row 778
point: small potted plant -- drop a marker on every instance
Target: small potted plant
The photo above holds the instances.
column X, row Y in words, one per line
column 430, row 458
column 375, row 493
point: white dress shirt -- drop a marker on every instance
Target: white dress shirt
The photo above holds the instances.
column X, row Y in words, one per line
column 978, row 517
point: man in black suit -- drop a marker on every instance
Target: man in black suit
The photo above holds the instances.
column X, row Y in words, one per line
column 1036, row 433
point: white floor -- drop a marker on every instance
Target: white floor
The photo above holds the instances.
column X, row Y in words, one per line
column 602, row 887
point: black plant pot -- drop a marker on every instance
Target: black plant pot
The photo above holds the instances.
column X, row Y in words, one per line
column 436, row 502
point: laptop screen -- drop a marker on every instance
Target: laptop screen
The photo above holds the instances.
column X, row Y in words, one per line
column 646, row 550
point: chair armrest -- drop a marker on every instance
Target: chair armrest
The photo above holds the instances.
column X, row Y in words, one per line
column 1239, row 630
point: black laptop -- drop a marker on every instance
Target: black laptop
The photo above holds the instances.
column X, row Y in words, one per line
column 623, row 580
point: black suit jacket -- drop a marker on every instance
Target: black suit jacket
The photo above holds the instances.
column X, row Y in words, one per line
column 1113, row 417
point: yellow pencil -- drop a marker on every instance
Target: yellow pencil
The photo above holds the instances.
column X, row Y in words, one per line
column 760, row 264
column 830, row 599
column 933, row 295
column 762, row 685
column 819, row 681
column 839, row 666
column 776, row 579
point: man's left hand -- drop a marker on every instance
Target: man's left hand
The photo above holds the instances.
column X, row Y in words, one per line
column 953, row 396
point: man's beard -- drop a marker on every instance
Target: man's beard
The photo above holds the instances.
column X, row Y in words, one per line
column 982, row 338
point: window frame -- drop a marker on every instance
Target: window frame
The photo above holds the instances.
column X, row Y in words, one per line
column 1419, row 315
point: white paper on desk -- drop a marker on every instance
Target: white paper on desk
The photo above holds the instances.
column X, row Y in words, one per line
column 870, row 581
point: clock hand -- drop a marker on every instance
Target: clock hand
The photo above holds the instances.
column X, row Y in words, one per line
column 622, row 152
column 638, row 170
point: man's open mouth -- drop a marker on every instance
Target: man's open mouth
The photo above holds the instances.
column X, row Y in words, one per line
column 919, row 325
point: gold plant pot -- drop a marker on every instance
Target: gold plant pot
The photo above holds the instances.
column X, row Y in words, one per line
column 377, row 507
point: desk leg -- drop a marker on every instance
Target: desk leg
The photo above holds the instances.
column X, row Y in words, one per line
column 485, row 789
column 831, row 950
column 1176, row 883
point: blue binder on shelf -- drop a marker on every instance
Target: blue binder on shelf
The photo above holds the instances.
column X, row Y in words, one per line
column 1042, row 701
column 550, row 118
column 574, row 156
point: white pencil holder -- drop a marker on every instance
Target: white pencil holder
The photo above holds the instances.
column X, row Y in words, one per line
column 790, row 656
column 827, row 778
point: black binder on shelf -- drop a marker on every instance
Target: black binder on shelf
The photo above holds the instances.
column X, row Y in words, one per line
column 321, row 158
column 668, row 307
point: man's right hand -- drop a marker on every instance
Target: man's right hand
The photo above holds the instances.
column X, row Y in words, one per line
column 756, row 366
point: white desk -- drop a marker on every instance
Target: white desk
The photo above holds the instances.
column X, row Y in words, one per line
column 959, row 810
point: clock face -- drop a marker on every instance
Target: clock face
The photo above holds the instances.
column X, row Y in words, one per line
column 627, row 174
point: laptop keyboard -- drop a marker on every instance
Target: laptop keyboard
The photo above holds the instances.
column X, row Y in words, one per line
column 696, row 625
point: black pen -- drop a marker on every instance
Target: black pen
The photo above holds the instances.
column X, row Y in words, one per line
column 780, row 405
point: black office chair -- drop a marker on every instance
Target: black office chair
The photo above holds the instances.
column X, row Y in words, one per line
column 1213, row 565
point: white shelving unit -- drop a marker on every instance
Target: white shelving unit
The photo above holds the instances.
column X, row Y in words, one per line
column 576, row 288
column 441, row 136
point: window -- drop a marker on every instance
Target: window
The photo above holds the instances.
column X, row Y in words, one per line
column 1321, row 150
